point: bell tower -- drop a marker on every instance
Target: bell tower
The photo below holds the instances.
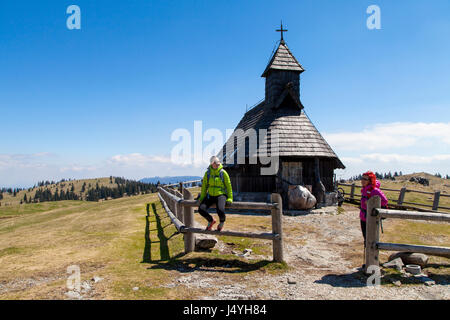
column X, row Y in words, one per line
column 282, row 70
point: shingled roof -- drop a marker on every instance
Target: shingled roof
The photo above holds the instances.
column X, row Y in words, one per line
column 297, row 135
column 283, row 59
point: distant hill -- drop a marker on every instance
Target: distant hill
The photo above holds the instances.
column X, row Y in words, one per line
column 431, row 177
column 83, row 189
column 170, row 180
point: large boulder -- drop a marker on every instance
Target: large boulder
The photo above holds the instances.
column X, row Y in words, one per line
column 411, row 258
column 300, row 198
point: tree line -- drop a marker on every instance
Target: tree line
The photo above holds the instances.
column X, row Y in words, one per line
column 43, row 195
column 124, row 187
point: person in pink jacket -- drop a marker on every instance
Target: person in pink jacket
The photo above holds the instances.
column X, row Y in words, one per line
column 370, row 188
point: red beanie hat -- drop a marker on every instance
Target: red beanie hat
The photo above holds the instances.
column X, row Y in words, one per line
column 372, row 178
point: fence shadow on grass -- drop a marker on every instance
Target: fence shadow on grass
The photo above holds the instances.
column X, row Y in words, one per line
column 205, row 264
column 210, row 265
column 163, row 239
column 147, row 255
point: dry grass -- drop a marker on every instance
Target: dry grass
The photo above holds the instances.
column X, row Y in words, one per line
column 115, row 240
column 418, row 233
column 107, row 238
column 436, row 184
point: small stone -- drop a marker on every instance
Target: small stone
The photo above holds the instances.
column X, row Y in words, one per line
column 135, row 288
column 291, row 281
column 247, row 252
column 96, row 279
column 394, row 264
column 73, row 295
column 406, row 275
column 430, row 283
column 85, row 286
column 427, row 281
column 397, row 283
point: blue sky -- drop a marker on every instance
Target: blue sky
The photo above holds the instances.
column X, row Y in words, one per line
column 105, row 99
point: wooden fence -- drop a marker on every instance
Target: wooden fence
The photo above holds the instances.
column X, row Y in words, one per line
column 400, row 202
column 185, row 183
column 180, row 208
column 373, row 244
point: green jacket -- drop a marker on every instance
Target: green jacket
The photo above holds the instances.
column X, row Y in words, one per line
column 216, row 187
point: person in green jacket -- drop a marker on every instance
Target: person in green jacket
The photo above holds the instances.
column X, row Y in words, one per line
column 216, row 189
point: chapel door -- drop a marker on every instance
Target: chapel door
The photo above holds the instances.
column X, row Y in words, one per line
column 292, row 173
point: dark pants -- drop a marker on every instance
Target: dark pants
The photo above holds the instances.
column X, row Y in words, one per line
column 219, row 201
column 363, row 229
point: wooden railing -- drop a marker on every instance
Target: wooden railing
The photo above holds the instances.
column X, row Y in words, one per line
column 180, row 208
column 400, row 202
column 373, row 244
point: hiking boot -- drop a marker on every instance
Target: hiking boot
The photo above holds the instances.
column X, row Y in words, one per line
column 220, row 226
column 209, row 227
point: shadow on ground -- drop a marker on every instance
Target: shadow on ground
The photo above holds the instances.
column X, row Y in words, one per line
column 352, row 280
column 206, row 264
column 358, row 279
column 163, row 239
column 210, row 265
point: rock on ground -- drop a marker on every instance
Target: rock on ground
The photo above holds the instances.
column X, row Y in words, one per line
column 410, row 258
column 394, row 264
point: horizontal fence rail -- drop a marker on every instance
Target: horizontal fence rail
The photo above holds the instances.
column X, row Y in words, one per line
column 179, row 206
column 400, row 202
column 177, row 223
column 373, row 244
column 267, row 236
column 182, row 183
column 411, row 215
column 431, row 250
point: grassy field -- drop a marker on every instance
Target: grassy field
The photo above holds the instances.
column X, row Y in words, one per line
column 436, row 184
column 116, row 240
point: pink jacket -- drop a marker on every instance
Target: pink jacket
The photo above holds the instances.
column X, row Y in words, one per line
column 368, row 192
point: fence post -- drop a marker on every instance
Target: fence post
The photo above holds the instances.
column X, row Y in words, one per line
column 173, row 204
column 180, row 212
column 180, row 188
column 189, row 237
column 277, row 227
column 401, row 196
column 437, row 195
column 372, row 233
column 352, row 192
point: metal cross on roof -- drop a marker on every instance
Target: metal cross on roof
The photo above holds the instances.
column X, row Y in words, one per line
column 281, row 30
